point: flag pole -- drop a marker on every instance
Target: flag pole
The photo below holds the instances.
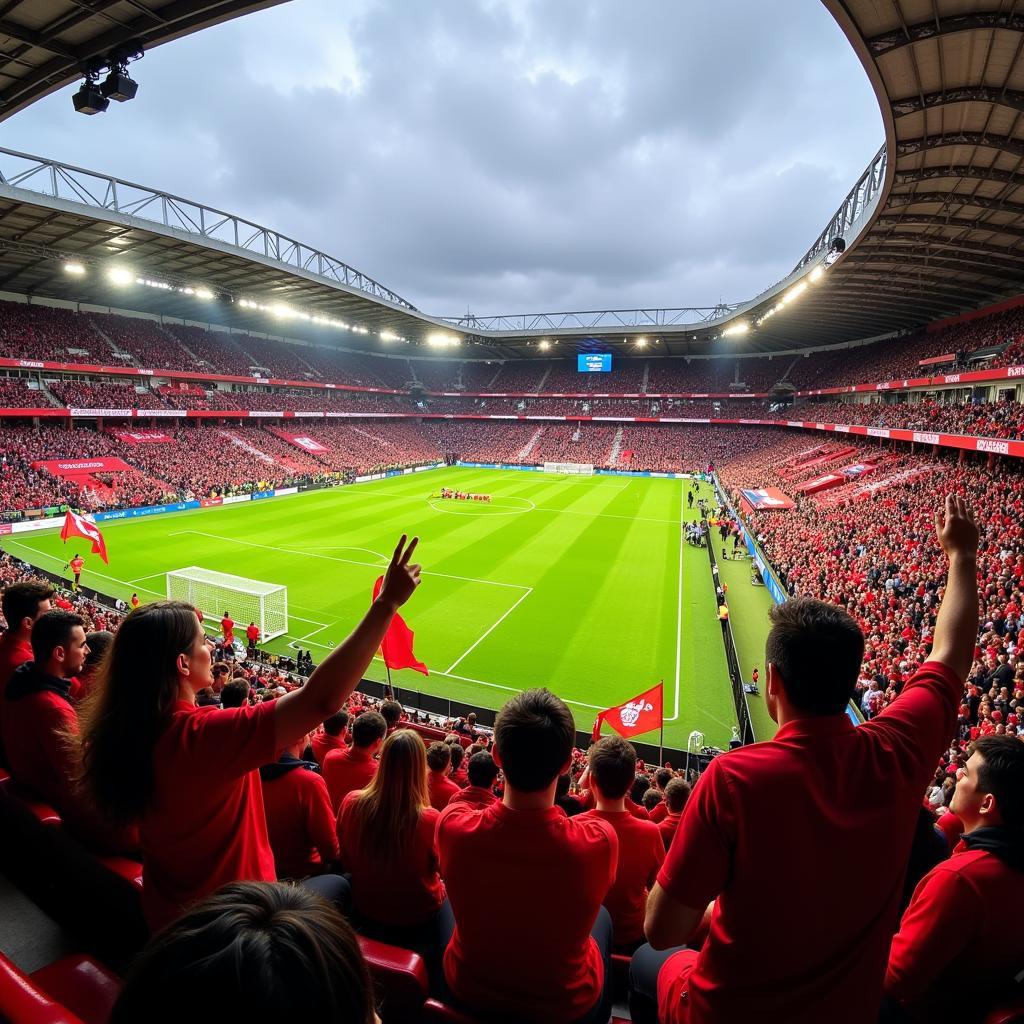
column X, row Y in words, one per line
column 391, row 692
column 661, row 738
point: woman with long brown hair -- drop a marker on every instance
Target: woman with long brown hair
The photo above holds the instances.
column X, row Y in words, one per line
column 386, row 835
column 188, row 775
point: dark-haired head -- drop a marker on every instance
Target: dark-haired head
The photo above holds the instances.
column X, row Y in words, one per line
column 23, row 603
column 813, row 653
column 612, row 763
column 533, row 739
column 252, row 951
column 482, row 770
column 58, row 643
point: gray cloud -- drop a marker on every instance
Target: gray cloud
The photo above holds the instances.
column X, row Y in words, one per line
column 506, row 155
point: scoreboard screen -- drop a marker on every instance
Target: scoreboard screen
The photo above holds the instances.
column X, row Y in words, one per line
column 594, row 362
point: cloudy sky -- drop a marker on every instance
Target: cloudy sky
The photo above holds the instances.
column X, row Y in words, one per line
column 505, row 155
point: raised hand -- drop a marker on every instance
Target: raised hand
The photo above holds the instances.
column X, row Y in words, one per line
column 957, row 531
column 402, row 578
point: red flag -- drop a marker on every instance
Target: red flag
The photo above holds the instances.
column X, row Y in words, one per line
column 396, row 646
column 639, row 715
column 78, row 526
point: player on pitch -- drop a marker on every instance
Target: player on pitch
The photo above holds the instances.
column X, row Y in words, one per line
column 77, row 564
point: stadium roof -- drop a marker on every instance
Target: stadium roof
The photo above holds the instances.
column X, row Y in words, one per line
column 45, row 44
column 932, row 228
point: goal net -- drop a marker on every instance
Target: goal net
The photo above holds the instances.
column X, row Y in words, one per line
column 215, row 593
column 570, row 468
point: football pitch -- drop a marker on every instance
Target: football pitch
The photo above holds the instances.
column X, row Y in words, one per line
column 581, row 584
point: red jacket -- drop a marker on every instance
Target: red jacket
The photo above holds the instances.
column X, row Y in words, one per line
column 300, row 819
column 347, row 770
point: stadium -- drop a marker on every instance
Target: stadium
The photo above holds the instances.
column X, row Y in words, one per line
column 679, row 523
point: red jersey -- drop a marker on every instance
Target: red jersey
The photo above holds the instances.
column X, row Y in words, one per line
column 405, row 890
column 227, row 627
column 965, row 921
column 77, row 565
column 475, row 796
column 667, row 826
column 441, row 789
column 346, row 771
column 771, row 829
column 205, row 824
column 641, row 853
column 323, row 743
column 252, row 633
column 300, row 820
column 135, row 602
column 658, row 812
column 499, row 865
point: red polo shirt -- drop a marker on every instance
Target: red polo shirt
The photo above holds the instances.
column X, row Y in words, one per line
column 347, row 770
column 772, row 830
column 205, row 825
column 441, row 789
column 323, row 743
column 641, row 853
column 300, row 823
column 965, row 923
column 475, row 796
column 658, row 812
column 667, row 827
column 403, row 891
column 500, row 866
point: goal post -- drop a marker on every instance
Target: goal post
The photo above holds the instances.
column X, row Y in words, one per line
column 214, row 593
column 570, row 468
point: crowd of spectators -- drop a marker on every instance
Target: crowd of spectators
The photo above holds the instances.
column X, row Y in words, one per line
column 45, row 332
column 105, row 395
column 16, row 394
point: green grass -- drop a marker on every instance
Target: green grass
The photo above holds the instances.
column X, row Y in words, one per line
column 580, row 584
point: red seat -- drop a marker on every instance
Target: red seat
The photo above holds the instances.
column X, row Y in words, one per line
column 436, row 1012
column 23, row 1002
column 82, row 985
column 400, row 975
column 124, row 867
column 1010, row 1011
column 44, row 814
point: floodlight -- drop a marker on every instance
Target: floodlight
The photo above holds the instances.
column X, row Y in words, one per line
column 739, row 327
column 204, row 293
column 641, row 342
column 74, row 269
column 817, row 273
column 89, row 99
column 544, row 344
column 118, row 86
column 794, row 293
column 388, row 336
column 120, row 276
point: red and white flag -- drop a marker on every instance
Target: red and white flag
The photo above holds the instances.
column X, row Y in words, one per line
column 637, row 716
column 78, row 526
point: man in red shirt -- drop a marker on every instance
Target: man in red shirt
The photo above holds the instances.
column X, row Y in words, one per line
column 503, row 861
column 662, row 777
column 21, row 604
column 227, row 627
column 966, row 918
column 37, row 720
column 440, row 787
column 252, row 634
column 482, row 773
column 772, row 828
column 612, row 763
column 77, row 565
column 331, row 737
column 677, row 792
column 300, row 821
column 352, row 768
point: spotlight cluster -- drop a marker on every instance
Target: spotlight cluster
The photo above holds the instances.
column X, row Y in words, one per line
column 94, row 96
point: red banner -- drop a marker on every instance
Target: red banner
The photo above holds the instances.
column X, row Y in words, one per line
column 142, row 437
column 82, row 467
column 303, row 441
column 637, row 716
column 821, row 483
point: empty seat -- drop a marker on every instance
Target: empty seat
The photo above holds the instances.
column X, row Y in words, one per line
column 82, row 985
column 22, row 1001
column 400, row 976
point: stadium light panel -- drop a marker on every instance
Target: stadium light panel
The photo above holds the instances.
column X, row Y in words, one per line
column 442, row 339
column 120, row 276
column 794, row 293
column 544, row 344
column 389, row 336
column 817, row 273
column 740, row 327
column 641, row 342
column 118, row 86
column 74, row 269
column 204, row 293
column 89, row 99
